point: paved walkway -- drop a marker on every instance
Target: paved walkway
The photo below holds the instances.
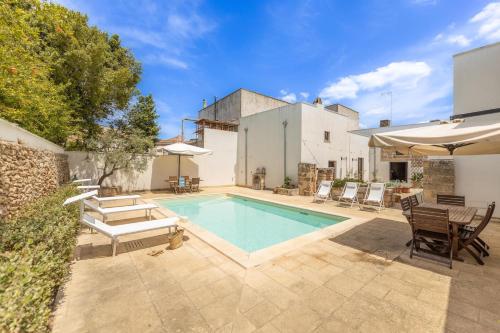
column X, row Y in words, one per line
column 359, row 281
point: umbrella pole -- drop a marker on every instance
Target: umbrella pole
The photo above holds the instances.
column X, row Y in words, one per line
column 178, row 166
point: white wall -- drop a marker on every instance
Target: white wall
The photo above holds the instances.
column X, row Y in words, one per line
column 220, row 167
column 476, row 79
column 266, row 143
column 214, row 170
column 12, row 132
column 315, row 121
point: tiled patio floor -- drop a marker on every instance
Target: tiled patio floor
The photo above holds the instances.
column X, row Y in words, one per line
column 359, row 281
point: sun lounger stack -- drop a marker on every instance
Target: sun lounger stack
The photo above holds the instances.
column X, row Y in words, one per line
column 115, row 231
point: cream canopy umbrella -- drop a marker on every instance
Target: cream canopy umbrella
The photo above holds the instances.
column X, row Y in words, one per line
column 455, row 138
column 183, row 149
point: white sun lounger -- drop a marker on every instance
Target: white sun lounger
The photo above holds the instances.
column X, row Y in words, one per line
column 349, row 194
column 115, row 231
column 132, row 197
column 324, row 191
column 375, row 195
column 86, row 188
column 120, row 209
column 81, row 181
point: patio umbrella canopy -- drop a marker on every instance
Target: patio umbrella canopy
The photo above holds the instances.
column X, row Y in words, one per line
column 456, row 138
column 183, row 149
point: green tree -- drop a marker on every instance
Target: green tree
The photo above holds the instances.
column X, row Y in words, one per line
column 142, row 116
column 27, row 95
column 60, row 76
column 116, row 149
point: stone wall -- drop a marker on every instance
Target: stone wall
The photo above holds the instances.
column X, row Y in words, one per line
column 307, row 178
column 27, row 174
column 439, row 177
column 325, row 174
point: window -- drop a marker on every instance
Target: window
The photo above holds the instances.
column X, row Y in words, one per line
column 327, row 136
column 332, row 164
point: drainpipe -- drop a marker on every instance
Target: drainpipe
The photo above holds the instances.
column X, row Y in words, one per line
column 246, row 156
column 285, row 123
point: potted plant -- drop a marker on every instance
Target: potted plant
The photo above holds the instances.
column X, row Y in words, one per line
column 287, row 188
column 416, row 179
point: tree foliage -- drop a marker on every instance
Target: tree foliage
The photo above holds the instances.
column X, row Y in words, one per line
column 60, row 76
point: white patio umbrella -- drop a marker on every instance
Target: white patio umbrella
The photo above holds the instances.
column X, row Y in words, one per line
column 455, row 138
column 183, row 149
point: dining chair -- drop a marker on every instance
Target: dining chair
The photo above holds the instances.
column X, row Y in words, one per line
column 470, row 237
column 174, row 183
column 431, row 226
column 406, row 204
column 195, row 184
column 454, row 200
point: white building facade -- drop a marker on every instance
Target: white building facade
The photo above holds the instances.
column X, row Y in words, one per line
column 281, row 138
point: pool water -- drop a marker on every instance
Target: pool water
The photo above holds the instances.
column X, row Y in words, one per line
column 249, row 224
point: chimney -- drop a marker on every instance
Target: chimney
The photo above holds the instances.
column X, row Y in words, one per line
column 318, row 100
column 385, row 123
column 204, row 103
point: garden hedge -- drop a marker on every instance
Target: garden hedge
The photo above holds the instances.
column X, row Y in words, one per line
column 35, row 250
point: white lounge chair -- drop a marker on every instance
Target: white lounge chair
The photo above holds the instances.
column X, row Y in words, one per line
column 324, row 191
column 115, row 231
column 375, row 195
column 81, row 181
column 86, row 188
column 105, row 211
column 349, row 193
column 132, row 197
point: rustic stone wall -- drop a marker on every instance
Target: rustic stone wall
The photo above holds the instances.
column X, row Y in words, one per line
column 307, row 178
column 439, row 177
column 325, row 174
column 27, row 174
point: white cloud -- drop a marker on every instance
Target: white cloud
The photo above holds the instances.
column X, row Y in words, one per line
column 290, row 98
column 459, row 40
column 403, row 74
column 424, row 2
column 166, row 60
column 304, row 94
column 489, row 22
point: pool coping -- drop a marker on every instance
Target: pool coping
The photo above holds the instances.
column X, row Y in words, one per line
column 248, row 260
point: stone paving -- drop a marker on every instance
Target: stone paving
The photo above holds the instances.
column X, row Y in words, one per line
column 360, row 281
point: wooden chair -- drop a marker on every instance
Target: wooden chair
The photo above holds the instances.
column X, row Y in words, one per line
column 195, row 184
column 470, row 237
column 174, row 183
column 455, row 200
column 431, row 227
column 406, row 204
column 414, row 200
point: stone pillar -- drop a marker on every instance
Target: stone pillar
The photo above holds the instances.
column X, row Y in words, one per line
column 307, row 178
column 325, row 174
column 439, row 177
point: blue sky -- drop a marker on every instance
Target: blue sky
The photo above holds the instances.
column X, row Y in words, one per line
column 348, row 52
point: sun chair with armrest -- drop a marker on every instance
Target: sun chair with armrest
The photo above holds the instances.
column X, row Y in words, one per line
column 324, row 191
column 349, row 193
column 374, row 195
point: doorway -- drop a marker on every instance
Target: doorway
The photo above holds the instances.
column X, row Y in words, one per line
column 398, row 171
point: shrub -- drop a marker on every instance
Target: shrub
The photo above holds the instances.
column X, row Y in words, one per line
column 341, row 182
column 35, row 248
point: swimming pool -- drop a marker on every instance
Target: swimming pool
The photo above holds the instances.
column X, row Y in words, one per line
column 249, row 224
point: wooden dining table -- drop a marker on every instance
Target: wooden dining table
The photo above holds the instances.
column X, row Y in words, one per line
column 458, row 216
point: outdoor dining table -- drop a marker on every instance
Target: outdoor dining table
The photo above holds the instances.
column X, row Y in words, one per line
column 458, row 216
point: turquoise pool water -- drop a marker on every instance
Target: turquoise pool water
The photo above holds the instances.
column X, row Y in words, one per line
column 249, row 224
